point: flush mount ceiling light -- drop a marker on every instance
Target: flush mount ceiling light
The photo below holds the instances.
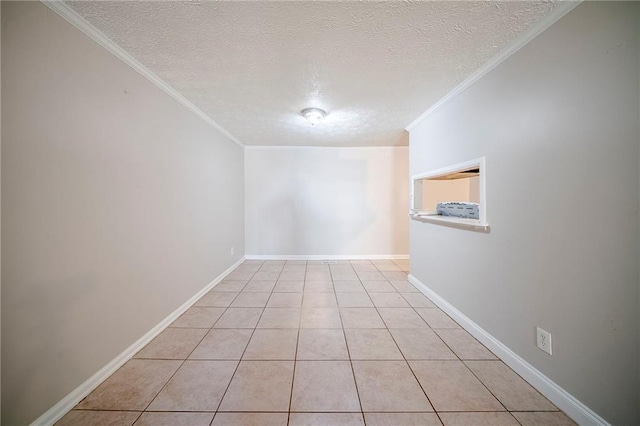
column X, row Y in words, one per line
column 313, row 115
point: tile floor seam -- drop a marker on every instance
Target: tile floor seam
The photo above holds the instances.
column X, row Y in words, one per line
column 295, row 356
column 409, row 365
column 237, row 366
column 346, row 344
column 191, row 352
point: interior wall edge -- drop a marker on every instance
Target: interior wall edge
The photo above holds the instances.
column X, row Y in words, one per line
column 562, row 8
column 575, row 409
column 65, row 405
column 96, row 35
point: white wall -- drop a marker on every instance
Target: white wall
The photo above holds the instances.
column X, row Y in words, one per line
column 118, row 205
column 558, row 124
column 326, row 201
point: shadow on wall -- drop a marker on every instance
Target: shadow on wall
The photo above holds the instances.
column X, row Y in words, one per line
column 327, row 209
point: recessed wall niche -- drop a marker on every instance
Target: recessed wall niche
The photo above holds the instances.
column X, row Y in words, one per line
column 453, row 196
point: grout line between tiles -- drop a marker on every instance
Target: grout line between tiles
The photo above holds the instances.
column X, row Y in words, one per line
column 195, row 347
column 295, row 356
column 346, row 343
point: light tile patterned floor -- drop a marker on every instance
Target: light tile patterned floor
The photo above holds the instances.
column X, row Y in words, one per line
column 311, row 343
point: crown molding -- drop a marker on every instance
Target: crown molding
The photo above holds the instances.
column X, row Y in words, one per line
column 71, row 16
column 562, row 8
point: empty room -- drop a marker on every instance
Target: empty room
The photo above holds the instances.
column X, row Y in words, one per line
column 320, row 213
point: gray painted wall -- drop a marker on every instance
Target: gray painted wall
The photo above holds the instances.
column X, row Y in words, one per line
column 118, row 206
column 558, row 124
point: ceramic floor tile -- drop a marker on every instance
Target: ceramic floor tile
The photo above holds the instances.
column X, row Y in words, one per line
column 395, row 276
column 249, row 267
column 295, row 262
column 320, row 318
column 370, row 276
column 259, row 286
column 222, row 344
column 379, row 287
column 285, row 300
column 450, row 386
column 354, row 300
column 275, row 262
column 292, row 276
column 319, row 300
column 315, row 276
column 421, row 344
column 326, row 419
column 271, row 268
column 544, row 419
column 322, row 344
column 318, row 286
column 239, row 318
column 266, row 276
column 508, row 387
column 403, row 419
column 348, row 286
column 269, row 344
column 388, row 267
column 388, row 300
column 232, row 286
column 478, row 419
column 253, row 262
column 240, row 275
column 321, row 386
column 260, row 386
column 216, row 299
column 389, row 386
column 280, row 318
column 198, row 317
column 401, row 318
column 295, row 267
column 344, row 274
column 404, row 286
column 364, row 267
column 417, row 300
column 436, row 318
column 371, row 344
column 132, row 386
column 98, row 418
column 197, row 386
column 173, row 343
column 173, row 419
column 250, row 419
column 464, row 345
column 361, row 318
column 251, row 300
column 289, row 287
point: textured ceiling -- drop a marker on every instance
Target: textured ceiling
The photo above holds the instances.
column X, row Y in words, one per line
column 374, row 66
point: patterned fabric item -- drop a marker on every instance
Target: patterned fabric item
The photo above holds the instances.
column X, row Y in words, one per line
column 459, row 209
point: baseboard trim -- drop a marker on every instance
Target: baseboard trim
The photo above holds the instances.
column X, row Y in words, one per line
column 56, row 412
column 327, row 257
column 575, row 409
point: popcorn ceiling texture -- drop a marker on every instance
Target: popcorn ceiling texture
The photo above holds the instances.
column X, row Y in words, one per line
column 374, row 66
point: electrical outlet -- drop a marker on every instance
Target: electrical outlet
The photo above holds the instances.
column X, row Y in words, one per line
column 544, row 340
column 232, row 250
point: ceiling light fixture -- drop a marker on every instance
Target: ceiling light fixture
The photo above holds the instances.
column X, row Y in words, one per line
column 313, row 115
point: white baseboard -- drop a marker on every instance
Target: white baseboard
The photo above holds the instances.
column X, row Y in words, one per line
column 327, row 257
column 56, row 412
column 575, row 409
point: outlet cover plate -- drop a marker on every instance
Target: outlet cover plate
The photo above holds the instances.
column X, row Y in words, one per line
column 543, row 339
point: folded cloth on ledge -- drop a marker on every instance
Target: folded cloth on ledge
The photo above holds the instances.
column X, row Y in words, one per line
column 459, row 209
